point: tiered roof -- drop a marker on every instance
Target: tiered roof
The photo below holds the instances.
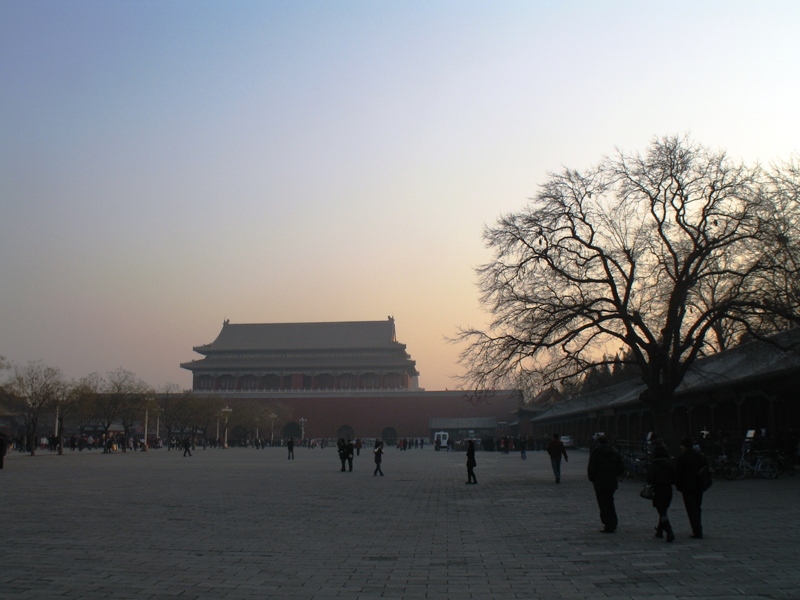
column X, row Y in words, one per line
column 340, row 345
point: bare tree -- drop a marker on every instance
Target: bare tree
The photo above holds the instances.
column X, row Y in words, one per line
column 35, row 385
column 659, row 258
column 175, row 410
column 85, row 393
column 200, row 413
column 128, row 395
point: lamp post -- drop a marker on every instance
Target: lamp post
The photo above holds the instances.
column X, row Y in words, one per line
column 146, row 412
column 302, row 429
column 272, row 417
column 227, row 411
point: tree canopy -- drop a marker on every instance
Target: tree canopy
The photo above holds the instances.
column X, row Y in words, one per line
column 654, row 259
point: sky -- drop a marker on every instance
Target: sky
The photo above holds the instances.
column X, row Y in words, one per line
column 166, row 165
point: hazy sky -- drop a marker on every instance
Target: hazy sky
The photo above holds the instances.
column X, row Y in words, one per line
column 165, row 165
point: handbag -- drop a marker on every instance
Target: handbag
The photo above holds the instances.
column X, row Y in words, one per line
column 648, row 491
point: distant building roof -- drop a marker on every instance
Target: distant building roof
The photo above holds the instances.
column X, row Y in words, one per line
column 356, row 346
column 303, row 336
column 747, row 362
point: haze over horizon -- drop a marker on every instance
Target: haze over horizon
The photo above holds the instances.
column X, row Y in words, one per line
column 169, row 165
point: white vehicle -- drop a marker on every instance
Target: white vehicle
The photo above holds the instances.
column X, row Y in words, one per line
column 440, row 439
column 567, row 441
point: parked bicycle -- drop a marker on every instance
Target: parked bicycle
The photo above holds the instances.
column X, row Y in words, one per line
column 635, row 468
column 785, row 464
column 760, row 464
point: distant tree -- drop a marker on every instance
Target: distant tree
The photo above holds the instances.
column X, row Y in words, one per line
column 596, row 377
column 120, row 399
column 35, row 385
column 131, row 396
column 669, row 255
column 63, row 400
column 174, row 411
column 85, row 393
column 200, row 414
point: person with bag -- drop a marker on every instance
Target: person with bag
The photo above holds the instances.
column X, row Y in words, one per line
column 661, row 475
column 687, row 466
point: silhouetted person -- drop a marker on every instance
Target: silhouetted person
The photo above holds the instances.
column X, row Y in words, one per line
column 378, row 451
column 350, row 452
column 604, row 469
column 341, row 446
column 556, row 450
column 187, row 447
column 3, row 448
column 687, row 465
column 661, row 474
column 471, row 463
column 290, row 447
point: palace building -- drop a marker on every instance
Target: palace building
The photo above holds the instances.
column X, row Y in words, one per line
column 337, row 379
column 271, row 357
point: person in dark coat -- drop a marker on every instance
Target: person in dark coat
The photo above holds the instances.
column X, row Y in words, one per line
column 341, row 446
column 605, row 468
column 378, row 451
column 688, row 463
column 187, row 447
column 350, row 451
column 661, row 475
column 556, row 450
column 3, row 448
column 471, row 463
column 290, row 448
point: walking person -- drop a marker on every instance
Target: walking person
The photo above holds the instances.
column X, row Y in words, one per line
column 350, row 450
column 661, row 475
column 378, row 451
column 556, row 450
column 3, row 448
column 290, row 447
column 523, row 447
column 687, row 465
column 471, row 463
column 604, row 469
column 187, row 447
column 341, row 446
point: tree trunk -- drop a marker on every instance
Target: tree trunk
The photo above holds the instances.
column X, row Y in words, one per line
column 60, row 440
column 660, row 404
column 32, row 438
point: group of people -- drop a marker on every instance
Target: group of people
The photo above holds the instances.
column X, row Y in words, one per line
column 349, row 449
column 606, row 466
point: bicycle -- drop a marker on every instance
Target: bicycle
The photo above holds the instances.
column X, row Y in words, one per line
column 784, row 464
column 635, row 468
column 762, row 466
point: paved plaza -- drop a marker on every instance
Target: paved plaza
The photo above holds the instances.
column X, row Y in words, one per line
column 247, row 523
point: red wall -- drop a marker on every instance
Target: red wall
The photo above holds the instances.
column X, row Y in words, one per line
column 407, row 413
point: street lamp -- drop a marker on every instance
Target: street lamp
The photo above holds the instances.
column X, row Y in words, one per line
column 146, row 414
column 302, row 428
column 227, row 411
column 272, row 417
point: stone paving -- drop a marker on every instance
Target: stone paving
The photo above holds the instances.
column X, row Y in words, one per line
column 247, row 523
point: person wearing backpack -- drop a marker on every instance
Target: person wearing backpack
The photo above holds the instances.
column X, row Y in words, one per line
column 687, row 466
